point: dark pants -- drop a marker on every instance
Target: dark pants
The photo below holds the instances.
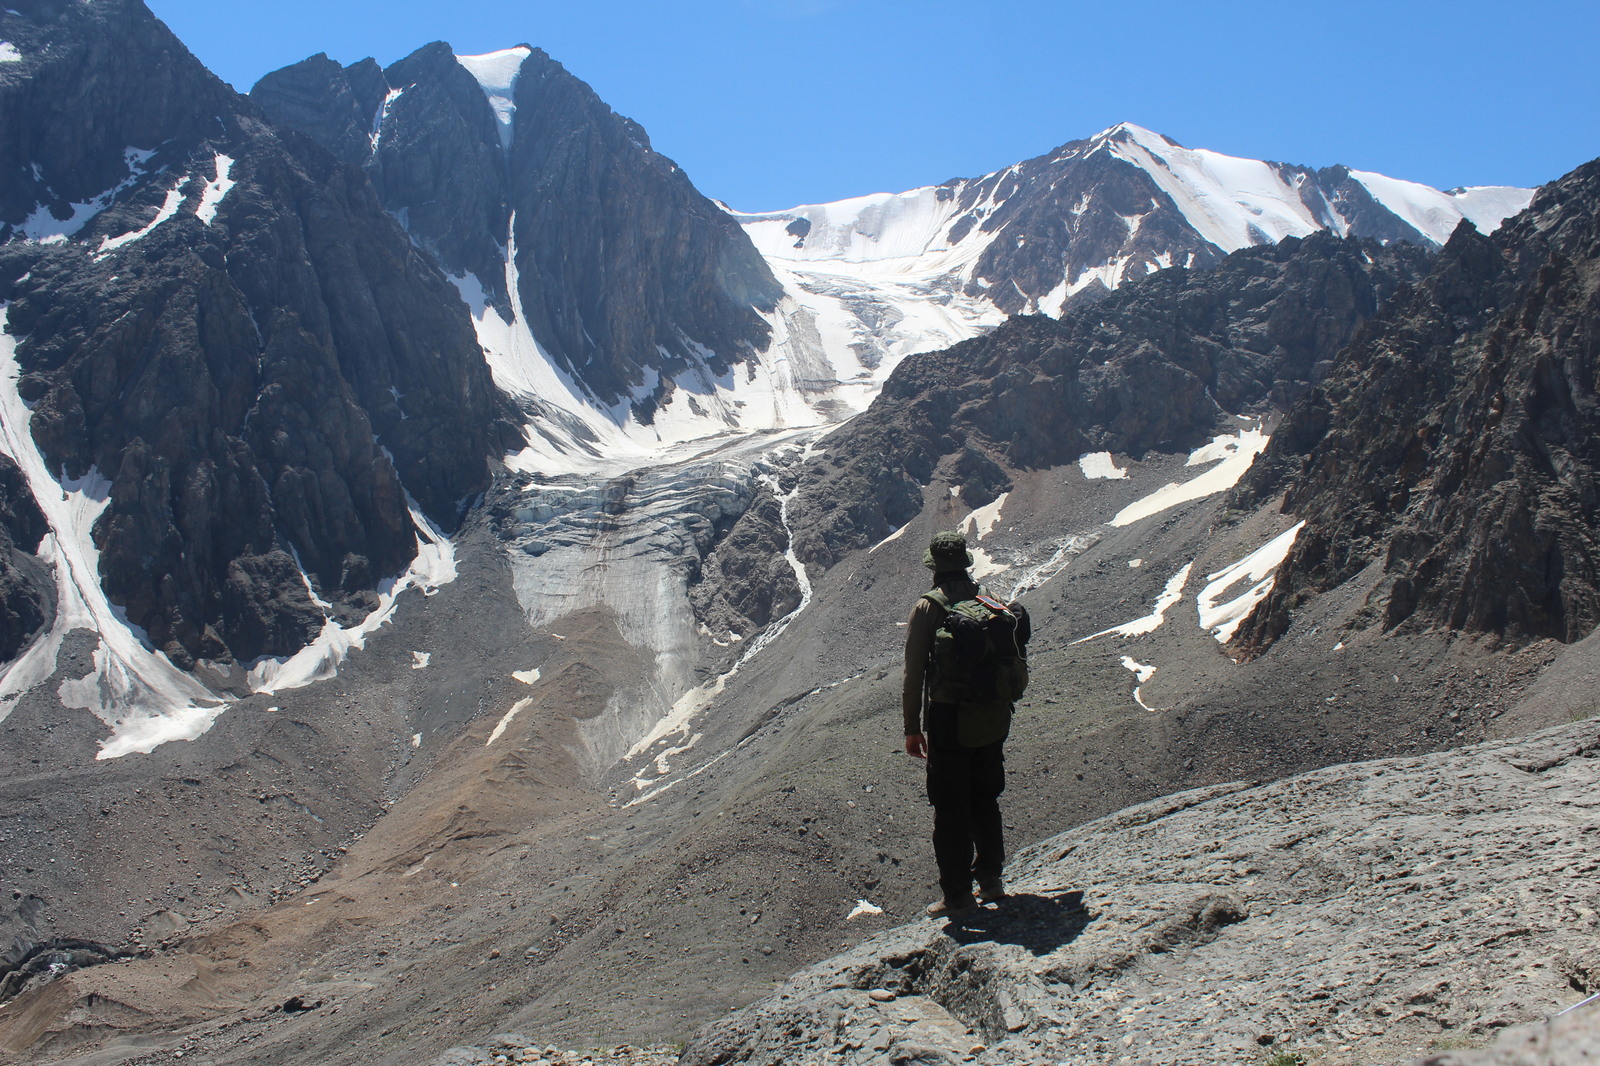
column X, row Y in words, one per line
column 964, row 786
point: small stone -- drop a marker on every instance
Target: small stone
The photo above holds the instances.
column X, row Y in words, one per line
column 881, row 995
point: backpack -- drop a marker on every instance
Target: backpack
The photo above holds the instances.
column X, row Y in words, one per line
column 979, row 662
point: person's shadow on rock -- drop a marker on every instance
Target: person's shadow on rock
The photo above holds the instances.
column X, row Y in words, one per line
column 1041, row 924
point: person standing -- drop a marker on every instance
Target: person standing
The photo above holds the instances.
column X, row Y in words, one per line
column 962, row 741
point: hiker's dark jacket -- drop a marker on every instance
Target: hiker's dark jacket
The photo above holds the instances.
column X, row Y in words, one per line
column 920, row 628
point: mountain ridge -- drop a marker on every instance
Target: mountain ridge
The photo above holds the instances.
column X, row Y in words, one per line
column 1077, row 217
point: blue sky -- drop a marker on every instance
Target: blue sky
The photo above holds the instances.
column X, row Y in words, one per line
column 771, row 103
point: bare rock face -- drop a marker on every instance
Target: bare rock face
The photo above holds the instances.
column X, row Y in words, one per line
column 24, row 587
column 1454, row 444
column 1361, row 913
column 628, row 275
column 1146, row 368
column 238, row 339
column 75, row 102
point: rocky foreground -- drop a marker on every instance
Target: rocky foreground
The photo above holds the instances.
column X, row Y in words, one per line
column 523, row 1051
column 1375, row 912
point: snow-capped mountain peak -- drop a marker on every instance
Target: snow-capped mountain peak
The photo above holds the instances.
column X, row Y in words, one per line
column 1096, row 212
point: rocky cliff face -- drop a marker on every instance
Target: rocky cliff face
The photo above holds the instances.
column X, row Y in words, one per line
column 24, row 586
column 1453, row 445
column 1367, row 912
column 626, row 274
column 225, row 334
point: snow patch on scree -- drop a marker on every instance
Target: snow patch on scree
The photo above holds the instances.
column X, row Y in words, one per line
column 1101, row 465
column 500, row 727
column 1260, row 567
column 1169, row 598
column 978, row 525
column 1233, row 455
column 1142, row 672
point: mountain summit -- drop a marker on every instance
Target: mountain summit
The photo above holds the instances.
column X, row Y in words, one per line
column 1077, row 222
column 513, row 172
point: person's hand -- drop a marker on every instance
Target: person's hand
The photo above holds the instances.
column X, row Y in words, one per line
column 917, row 746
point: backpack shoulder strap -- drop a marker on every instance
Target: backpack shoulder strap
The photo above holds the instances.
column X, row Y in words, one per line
column 938, row 598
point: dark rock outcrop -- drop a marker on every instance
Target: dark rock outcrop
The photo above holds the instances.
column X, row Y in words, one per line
column 24, row 587
column 75, row 102
column 629, row 276
column 1455, row 443
column 262, row 376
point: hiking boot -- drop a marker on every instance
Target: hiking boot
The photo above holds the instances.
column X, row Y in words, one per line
column 955, row 910
column 991, row 890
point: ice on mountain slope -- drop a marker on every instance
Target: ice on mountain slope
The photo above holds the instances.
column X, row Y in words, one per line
column 678, row 722
column 1232, row 202
column 9, row 53
column 625, row 540
column 1436, row 214
column 863, row 229
column 497, row 73
column 835, row 340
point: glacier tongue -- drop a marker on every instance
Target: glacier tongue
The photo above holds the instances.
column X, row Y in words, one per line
column 629, row 543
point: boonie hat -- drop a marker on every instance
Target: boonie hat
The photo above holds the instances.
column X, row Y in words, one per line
column 947, row 551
